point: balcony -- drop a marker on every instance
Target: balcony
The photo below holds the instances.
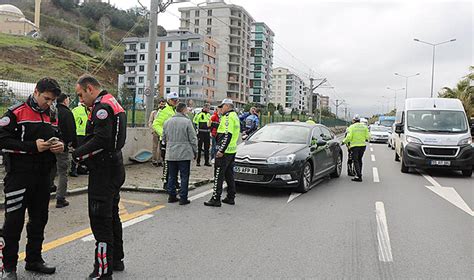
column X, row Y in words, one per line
column 194, row 72
column 194, row 84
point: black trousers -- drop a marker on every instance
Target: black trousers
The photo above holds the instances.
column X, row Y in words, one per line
column 25, row 191
column 224, row 171
column 166, row 171
column 357, row 155
column 106, row 177
column 204, row 139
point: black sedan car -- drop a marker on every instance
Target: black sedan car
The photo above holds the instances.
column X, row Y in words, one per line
column 288, row 155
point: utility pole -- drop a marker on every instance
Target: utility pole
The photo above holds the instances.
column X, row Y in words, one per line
column 337, row 104
column 345, row 112
column 150, row 74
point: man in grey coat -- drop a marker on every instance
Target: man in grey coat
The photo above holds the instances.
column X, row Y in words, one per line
column 181, row 147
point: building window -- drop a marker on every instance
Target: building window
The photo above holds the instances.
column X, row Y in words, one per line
column 208, row 30
column 142, row 57
column 209, row 21
column 196, row 30
column 142, row 46
column 183, row 56
column 209, row 13
column 168, row 90
column 131, row 69
column 168, row 67
column 170, row 44
column 142, row 68
column 132, row 47
column 168, row 79
column 196, row 22
column 196, row 13
column 170, row 55
column 156, row 68
column 141, row 80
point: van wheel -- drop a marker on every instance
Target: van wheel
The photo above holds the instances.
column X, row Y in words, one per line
column 467, row 172
column 404, row 168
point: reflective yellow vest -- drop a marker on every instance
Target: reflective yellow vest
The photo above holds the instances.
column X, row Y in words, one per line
column 357, row 135
column 80, row 117
column 164, row 115
column 228, row 133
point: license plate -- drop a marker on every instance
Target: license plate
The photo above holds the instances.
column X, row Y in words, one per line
column 246, row 170
column 441, row 162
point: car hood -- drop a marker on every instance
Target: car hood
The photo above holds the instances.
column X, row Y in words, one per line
column 267, row 149
column 379, row 133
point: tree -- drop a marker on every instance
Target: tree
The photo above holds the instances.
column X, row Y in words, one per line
column 67, row 5
column 463, row 91
column 271, row 108
column 280, row 109
column 95, row 41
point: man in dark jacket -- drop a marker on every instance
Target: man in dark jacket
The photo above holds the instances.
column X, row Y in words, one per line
column 67, row 128
column 28, row 139
column 102, row 150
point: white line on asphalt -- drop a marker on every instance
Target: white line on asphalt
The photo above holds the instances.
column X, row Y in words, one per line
column 371, row 149
column 385, row 249
column 449, row 194
column 375, row 171
column 293, row 196
column 124, row 225
column 199, row 195
column 370, row 144
column 372, row 157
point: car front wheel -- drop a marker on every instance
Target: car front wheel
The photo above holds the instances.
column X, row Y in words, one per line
column 305, row 181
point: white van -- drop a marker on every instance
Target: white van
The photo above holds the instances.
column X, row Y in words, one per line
column 433, row 133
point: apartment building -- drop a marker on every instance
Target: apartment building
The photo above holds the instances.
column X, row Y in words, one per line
column 186, row 63
column 261, row 63
column 231, row 27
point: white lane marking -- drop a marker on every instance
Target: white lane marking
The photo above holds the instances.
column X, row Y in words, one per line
column 293, row 196
column 90, row 237
column 371, row 149
column 199, row 195
column 372, row 157
column 375, row 172
column 449, row 194
column 385, row 249
column 370, row 144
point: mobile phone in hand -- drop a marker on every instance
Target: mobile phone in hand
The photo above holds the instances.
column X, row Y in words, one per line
column 53, row 140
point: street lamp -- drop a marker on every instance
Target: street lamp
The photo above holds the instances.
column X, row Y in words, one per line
column 395, row 90
column 406, row 81
column 433, row 65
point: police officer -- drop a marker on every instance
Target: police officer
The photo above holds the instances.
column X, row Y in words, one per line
column 28, row 139
column 81, row 115
column 105, row 137
column 201, row 121
column 356, row 138
column 165, row 114
column 227, row 137
column 310, row 120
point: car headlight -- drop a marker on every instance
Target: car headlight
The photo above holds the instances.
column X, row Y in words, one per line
column 281, row 159
column 411, row 139
column 465, row 141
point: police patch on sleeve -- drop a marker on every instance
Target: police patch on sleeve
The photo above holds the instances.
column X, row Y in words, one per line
column 102, row 114
column 4, row 121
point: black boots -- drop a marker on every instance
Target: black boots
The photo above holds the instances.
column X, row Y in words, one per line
column 60, row 203
column 228, row 200
column 119, row 266
column 9, row 275
column 40, row 267
column 357, row 179
column 172, row 199
column 213, row 202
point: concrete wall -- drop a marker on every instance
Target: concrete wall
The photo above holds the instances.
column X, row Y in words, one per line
column 137, row 139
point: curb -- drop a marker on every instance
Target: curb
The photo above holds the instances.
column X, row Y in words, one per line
column 83, row 190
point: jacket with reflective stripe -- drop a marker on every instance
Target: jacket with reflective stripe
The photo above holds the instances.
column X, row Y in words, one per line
column 80, row 116
column 164, row 115
column 201, row 120
column 357, row 135
column 228, row 133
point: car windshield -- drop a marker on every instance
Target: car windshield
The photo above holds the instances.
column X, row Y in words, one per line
column 378, row 128
column 387, row 123
column 294, row 134
column 436, row 121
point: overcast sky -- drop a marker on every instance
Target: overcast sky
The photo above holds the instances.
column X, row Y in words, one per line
column 359, row 45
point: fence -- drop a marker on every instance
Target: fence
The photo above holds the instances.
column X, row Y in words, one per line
column 329, row 122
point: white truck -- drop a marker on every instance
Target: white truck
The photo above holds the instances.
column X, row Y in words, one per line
column 433, row 133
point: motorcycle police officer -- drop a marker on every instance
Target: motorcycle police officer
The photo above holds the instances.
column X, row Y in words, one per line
column 201, row 121
column 105, row 137
column 227, row 137
column 356, row 138
column 28, row 139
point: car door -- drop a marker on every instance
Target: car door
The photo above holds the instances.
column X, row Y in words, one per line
column 330, row 147
column 318, row 153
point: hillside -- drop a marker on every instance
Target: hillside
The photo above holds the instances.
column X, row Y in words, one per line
column 25, row 59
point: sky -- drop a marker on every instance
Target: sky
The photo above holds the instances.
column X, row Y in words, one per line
column 359, row 45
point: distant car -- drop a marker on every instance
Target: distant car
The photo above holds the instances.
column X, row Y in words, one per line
column 379, row 134
column 288, row 155
column 391, row 138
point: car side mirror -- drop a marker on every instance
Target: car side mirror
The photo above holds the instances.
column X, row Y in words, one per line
column 320, row 143
column 399, row 128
